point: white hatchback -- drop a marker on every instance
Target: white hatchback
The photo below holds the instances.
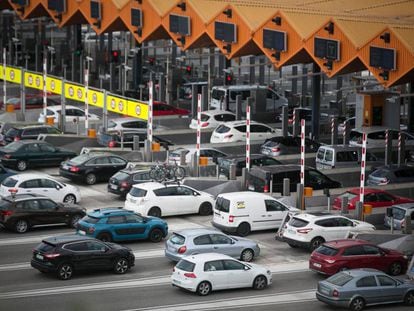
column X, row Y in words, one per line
column 203, row 273
column 210, row 119
column 72, row 114
column 41, row 184
column 156, row 199
column 236, row 131
column 211, row 154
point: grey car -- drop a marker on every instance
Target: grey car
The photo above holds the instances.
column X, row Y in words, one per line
column 196, row 241
column 355, row 289
column 385, row 175
column 399, row 213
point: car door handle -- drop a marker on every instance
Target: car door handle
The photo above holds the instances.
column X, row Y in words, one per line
column 263, row 215
column 215, row 247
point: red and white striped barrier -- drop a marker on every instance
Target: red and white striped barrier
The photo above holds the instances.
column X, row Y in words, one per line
column 198, row 125
column 86, row 99
column 332, row 126
column 399, row 143
column 363, row 162
column 150, row 113
column 344, row 132
column 44, row 88
column 386, row 139
column 248, row 137
column 4, row 78
column 302, row 152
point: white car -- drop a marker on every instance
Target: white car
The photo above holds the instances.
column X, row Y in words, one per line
column 203, row 273
column 310, row 230
column 236, row 131
column 41, row 184
column 72, row 113
column 130, row 123
column 210, row 119
column 210, row 153
column 159, row 200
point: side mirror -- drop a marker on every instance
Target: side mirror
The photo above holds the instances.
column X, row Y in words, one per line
column 232, row 242
column 104, row 250
column 246, row 268
column 58, row 187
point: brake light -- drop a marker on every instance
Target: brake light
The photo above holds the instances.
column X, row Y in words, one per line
column 276, row 149
column 17, row 138
column 7, row 213
column 231, row 218
column 266, row 188
column 13, row 190
column 111, row 144
column 403, row 223
column 305, row 230
column 51, row 256
column 74, row 169
column 182, row 249
column 190, row 275
column 204, row 124
column 228, row 136
column 7, row 156
column 124, row 184
column 335, row 293
column 91, row 229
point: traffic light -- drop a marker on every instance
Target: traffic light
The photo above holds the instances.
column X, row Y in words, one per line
column 78, row 51
column 151, row 61
column 115, row 54
column 228, row 79
column 188, row 70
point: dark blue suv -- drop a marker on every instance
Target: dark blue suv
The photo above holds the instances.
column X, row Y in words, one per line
column 114, row 224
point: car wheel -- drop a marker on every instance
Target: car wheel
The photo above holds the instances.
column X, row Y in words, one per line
column 204, row 288
column 69, row 198
column 155, row 235
column 21, row 165
column 409, row 298
column 21, row 226
column 395, row 268
column 205, row 209
column 65, row 271
column 357, row 304
column 90, row 179
column 154, row 211
column 105, row 237
column 243, row 229
column 247, row 255
column 260, row 282
column 315, row 243
column 74, row 220
column 121, row 266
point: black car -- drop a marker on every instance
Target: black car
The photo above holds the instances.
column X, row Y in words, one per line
column 92, row 167
column 122, row 181
column 17, row 133
column 126, row 139
column 67, row 254
column 23, row 211
column 29, row 153
column 240, row 162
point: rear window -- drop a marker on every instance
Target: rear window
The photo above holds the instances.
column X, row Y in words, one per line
column 298, row 223
column 326, row 250
column 177, row 239
column 9, row 182
column 321, row 153
column 121, row 175
column 204, row 117
column 137, row 192
column 222, row 205
column 80, row 159
column 45, row 247
column 185, row 265
column 222, row 129
column 4, row 204
column 380, row 173
column 339, row 279
column 398, row 213
column 90, row 219
column 12, row 132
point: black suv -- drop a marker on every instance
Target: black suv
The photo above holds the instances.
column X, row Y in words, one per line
column 122, row 181
column 22, row 211
column 67, row 254
column 240, row 162
column 16, row 133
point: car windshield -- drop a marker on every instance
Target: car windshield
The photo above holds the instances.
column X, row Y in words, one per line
column 177, row 239
column 398, row 213
column 185, row 265
column 326, row 250
column 221, row 129
column 90, row 219
column 298, row 223
column 348, row 195
column 137, row 192
column 4, row 204
column 222, row 205
column 9, row 182
column 339, row 279
column 13, row 146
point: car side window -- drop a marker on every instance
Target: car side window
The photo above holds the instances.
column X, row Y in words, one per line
column 32, row 148
column 48, row 204
column 368, row 281
column 330, row 222
column 32, row 205
column 47, row 148
column 133, row 218
column 220, row 239
column 184, row 191
column 241, row 128
column 115, row 160
column 386, row 281
column 76, row 247
column 116, row 220
column 30, row 132
column 232, row 265
column 371, row 197
column 216, row 265
column 95, row 246
column 202, row 240
column 384, row 197
column 47, row 183
column 354, row 251
column 167, row 191
column 371, row 250
column 274, row 206
column 343, row 222
column 102, row 161
column 33, row 183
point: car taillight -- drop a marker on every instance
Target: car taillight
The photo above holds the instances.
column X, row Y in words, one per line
column 51, row 256
column 276, row 149
column 305, row 230
column 384, row 181
column 190, row 275
column 124, row 184
column 231, row 218
column 17, row 138
column 7, row 213
column 335, row 293
column 204, row 124
column 266, row 188
column 173, row 269
column 111, row 144
column 74, row 169
column 91, row 229
column 228, row 136
column 7, row 156
column 182, row 249
column 403, row 223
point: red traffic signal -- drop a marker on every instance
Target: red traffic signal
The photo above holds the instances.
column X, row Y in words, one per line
column 151, row 61
column 188, row 69
column 228, row 79
column 115, row 56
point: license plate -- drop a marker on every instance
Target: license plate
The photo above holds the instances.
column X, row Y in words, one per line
column 114, row 187
column 324, row 291
column 38, row 256
column 317, row 265
column 81, row 232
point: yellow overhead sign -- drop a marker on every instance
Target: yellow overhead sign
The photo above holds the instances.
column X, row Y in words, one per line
column 33, row 80
column 75, row 92
column 137, row 109
column 13, row 75
column 54, row 85
column 95, row 98
column 116, row 104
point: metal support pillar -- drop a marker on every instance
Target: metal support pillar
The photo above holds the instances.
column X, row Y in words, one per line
column 334, row 130
column 285, row 121
column 316, row 100
column 262, row 61
column 161, row 91
column 194, row 101
column 300, row 198
column 204, row 98
column 238, row 107
column 286, row 187
column 294, row 80
column 304, row 86
column 339, row 102
column 410, row 112
column 252, row 73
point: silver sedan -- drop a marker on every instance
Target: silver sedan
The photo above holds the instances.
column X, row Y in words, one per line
column 197, row 241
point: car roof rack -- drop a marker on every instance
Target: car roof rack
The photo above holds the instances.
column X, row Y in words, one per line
column 171, row 182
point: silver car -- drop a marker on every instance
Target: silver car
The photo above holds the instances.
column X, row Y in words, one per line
column 196, row 241
column 355, row 289
column 399, row 212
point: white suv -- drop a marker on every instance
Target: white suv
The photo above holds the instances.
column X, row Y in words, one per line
column 156, row 199
column 310, row 230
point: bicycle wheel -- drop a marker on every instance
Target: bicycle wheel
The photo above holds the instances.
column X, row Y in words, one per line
column 179, row 173
column 158, row 175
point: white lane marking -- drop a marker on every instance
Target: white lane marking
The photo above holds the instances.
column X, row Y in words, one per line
column 238, row 302
column 15, row 266
column 294, row 267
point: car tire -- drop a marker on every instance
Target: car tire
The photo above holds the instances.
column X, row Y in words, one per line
column 205, row 209
column 105, row 237
column 243, row 229
column 315, row 243
column 21, row 165
column 121, row 265
column 69, row 198
column 90, row 179
column 204, row 288
column 65, row 271
column 247, row 255
column 260, row 282
column 155, row 235
column 357, row 304
column 74, row 220
column 409, row 298
column 154, row 211
column 395, row 268
column 21, row 226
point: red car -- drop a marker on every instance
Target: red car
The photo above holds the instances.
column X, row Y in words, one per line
column 374, row 197
column 335, row 256
column 163, row 109
column 33, row 101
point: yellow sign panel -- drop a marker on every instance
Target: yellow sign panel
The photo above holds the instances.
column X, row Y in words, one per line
column 138, row 109
column 95, row 98
column 33, row 80
column 241, row 204
column 75, row 92
column 116, row 104
column 13, row 75
column 54, row 85
column 1, row 72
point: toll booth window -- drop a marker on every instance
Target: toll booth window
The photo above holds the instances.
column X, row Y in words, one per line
column 328, row 155
column 218, row 94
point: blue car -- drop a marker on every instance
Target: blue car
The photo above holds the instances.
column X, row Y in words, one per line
column 5, row 172
column 114, row 224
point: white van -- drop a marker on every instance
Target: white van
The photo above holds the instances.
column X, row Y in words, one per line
column 274, row 100
column 242, row 212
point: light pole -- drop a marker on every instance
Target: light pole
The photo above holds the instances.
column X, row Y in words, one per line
column 52, row 51
column 16, row 42
column 88, row 60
